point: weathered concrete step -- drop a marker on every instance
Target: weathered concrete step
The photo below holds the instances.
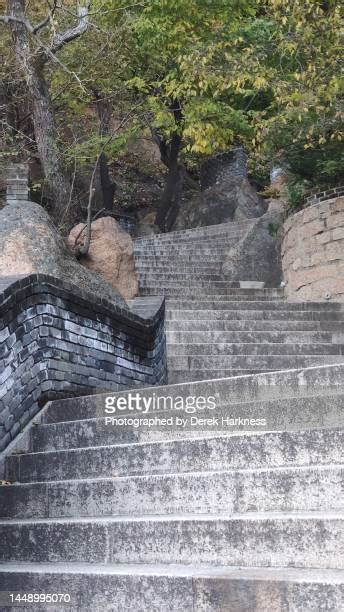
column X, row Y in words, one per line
column 270, row 490
column 199, row 232
column 183, row 254
column 178, row 254
column 229, row 239
column 196, row 234
column 203, row 267
column 208, row 294
column 290, row 413
column 177, row 258
column 235, row 291
column 213, row 326
column 180, row 257
column 247, row 450
column 307, row 382
column 209, row 299
column 197, row 291
column 305, row 539
column 254, row 349
column 195, row 246
column 183, row 376
column 223, row 310
column 261, row 362
column 194, row 282
column 213, row 336
column 178, row 588
column 179, row 278
column 331, row 308
column 144, row 270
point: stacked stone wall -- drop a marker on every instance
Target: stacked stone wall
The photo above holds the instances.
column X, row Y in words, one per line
column 313, row 252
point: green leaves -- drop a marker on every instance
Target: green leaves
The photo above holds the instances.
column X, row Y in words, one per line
column 177, row 45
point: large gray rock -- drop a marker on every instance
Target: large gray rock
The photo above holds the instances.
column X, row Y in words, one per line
column 257, row 255
column 29, row 243
column 227, row 194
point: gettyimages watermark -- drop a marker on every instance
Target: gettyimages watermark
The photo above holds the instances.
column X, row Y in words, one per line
column 136, row 411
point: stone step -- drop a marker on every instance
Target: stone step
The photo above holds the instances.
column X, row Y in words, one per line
column 230, row 310
column 180, row 279
column 293, row 413
column 254, row 349
column 180, row 253
column 221, row 452
column 207, row 294
column 262, row 338
column 229, row 239
column 297, row 384
column 235, row 290
column 324, row 410
column 195, row 236
column 196, row 283
column 224, row 240
column 178, row 588
column 271, row 539
column 250, row 326
column 183, row 376
column 238, row 491
column 303, row 307
column 181, row 256
column 182, row 271
column 151, row 271
column 192, row 250
column 164, row 268
column 177, row 259
column 259, row 362
column 199, row 290
column 199, row 232
column 248, row 296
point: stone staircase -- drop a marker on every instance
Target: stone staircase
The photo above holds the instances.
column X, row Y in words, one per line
column 215, row 328
column 186, row 263
column 241, row 513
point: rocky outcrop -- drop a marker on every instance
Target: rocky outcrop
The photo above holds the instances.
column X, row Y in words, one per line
column 146, row 225
column 226, row 195
column 257, row 255
column 29, row 242
column 111, row 254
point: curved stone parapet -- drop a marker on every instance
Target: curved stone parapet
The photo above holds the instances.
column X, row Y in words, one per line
column 58, row 341
column 316, row 197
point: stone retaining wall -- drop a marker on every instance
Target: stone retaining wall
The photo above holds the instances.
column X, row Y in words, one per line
column 313, row 252
column 58, row 341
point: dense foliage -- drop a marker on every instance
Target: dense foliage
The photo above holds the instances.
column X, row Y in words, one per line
column 197, row 76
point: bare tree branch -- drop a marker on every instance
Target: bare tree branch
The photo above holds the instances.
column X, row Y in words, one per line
column 62, row 39
column 46, row 20
column 84, row 248
column 7, row 19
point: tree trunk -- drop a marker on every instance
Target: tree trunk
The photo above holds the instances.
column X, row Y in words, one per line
column 46, row 140
column 104, row 109
column 170, row 201
column 32, row 65
column 107, row 185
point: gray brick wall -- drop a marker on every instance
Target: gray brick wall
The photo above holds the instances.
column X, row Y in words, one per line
column 317, row 197
column 58, row 341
